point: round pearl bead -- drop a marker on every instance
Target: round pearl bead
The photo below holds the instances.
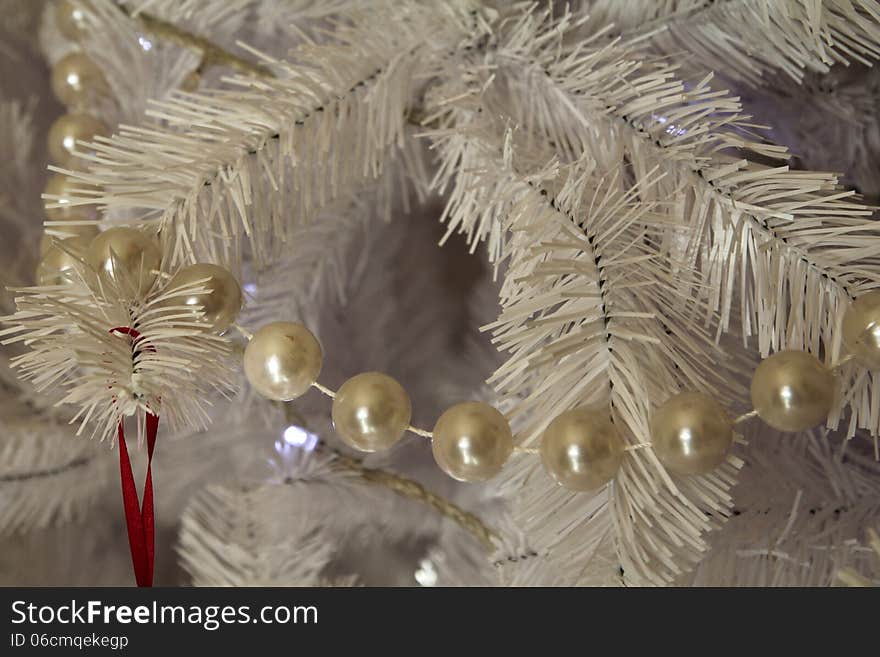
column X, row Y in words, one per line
column 861, row 330
column 70, row 18
column 371, row 411
column 472, row 441
column 69, row 129
column 76, row 80
column 219, row 305
column 61, row 186
column 792, row 391
column 282, row 360
column 581, row 449
column 126, row 256
column 691, row 433
column 59, row 266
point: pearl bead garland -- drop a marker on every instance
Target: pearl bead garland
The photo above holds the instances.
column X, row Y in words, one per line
column 861, row 330
column 60, row 185
column 283, row 360
column 792, row 391
column 581, row 449
column 69, row 129
column 60, row 260
column 691, row 433
column 371, row 411
column 471, row 441
column 127, row 257
column 70, row 18
column 77, row 81
column 221, row 301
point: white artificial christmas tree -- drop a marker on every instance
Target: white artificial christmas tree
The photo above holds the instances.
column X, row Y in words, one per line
column 618, row 222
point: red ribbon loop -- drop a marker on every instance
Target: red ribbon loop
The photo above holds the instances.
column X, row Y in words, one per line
column 140, row 522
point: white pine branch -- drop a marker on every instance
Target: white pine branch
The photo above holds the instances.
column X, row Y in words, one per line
column 749, row 40
column 135, row 65
column 595, row 303
column 591, row 313
column 801, row 512
column 635, row 18
column 326, row 256
column 46, row 476
column 231, row 535
column 170, row 369
column 790, row 248
column 253, row 162
column 224, row 543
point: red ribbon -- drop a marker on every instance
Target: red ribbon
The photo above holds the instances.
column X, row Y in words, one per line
column 140, row 522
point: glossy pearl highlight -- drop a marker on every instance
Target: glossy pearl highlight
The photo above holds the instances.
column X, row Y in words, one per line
column 792, row 391
column 472, row 441
column 77, row 80
column 691, row 433
column 127, row 257
column 60, row 261
column 371, row 411
column 282, row 360
column 67, row 131
column 219, row 305
column 61, row 186
column 70, row 18
column 861, row 330
column 582, row 449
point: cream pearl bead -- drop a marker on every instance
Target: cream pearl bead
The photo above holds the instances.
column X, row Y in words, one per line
column 61, row 185
column 861, row 330
column 126, row 256
column 70, row 18
column 77, row 80
column 67, row 131
column 282, row 360
column 371, row 411
column 582, row 449
column 60, row 262
column 792, row 391
column 691, row 433
column 219, row 305
column 471, row 441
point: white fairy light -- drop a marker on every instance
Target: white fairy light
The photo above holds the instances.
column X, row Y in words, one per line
column 426, row 575
column 296, row 436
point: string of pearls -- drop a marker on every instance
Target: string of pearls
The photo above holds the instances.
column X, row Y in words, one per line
column 79, row 84
column 581, row 449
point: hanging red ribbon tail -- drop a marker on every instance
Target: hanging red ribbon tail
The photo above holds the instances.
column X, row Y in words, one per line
column 139, row 520
column 147, row 516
